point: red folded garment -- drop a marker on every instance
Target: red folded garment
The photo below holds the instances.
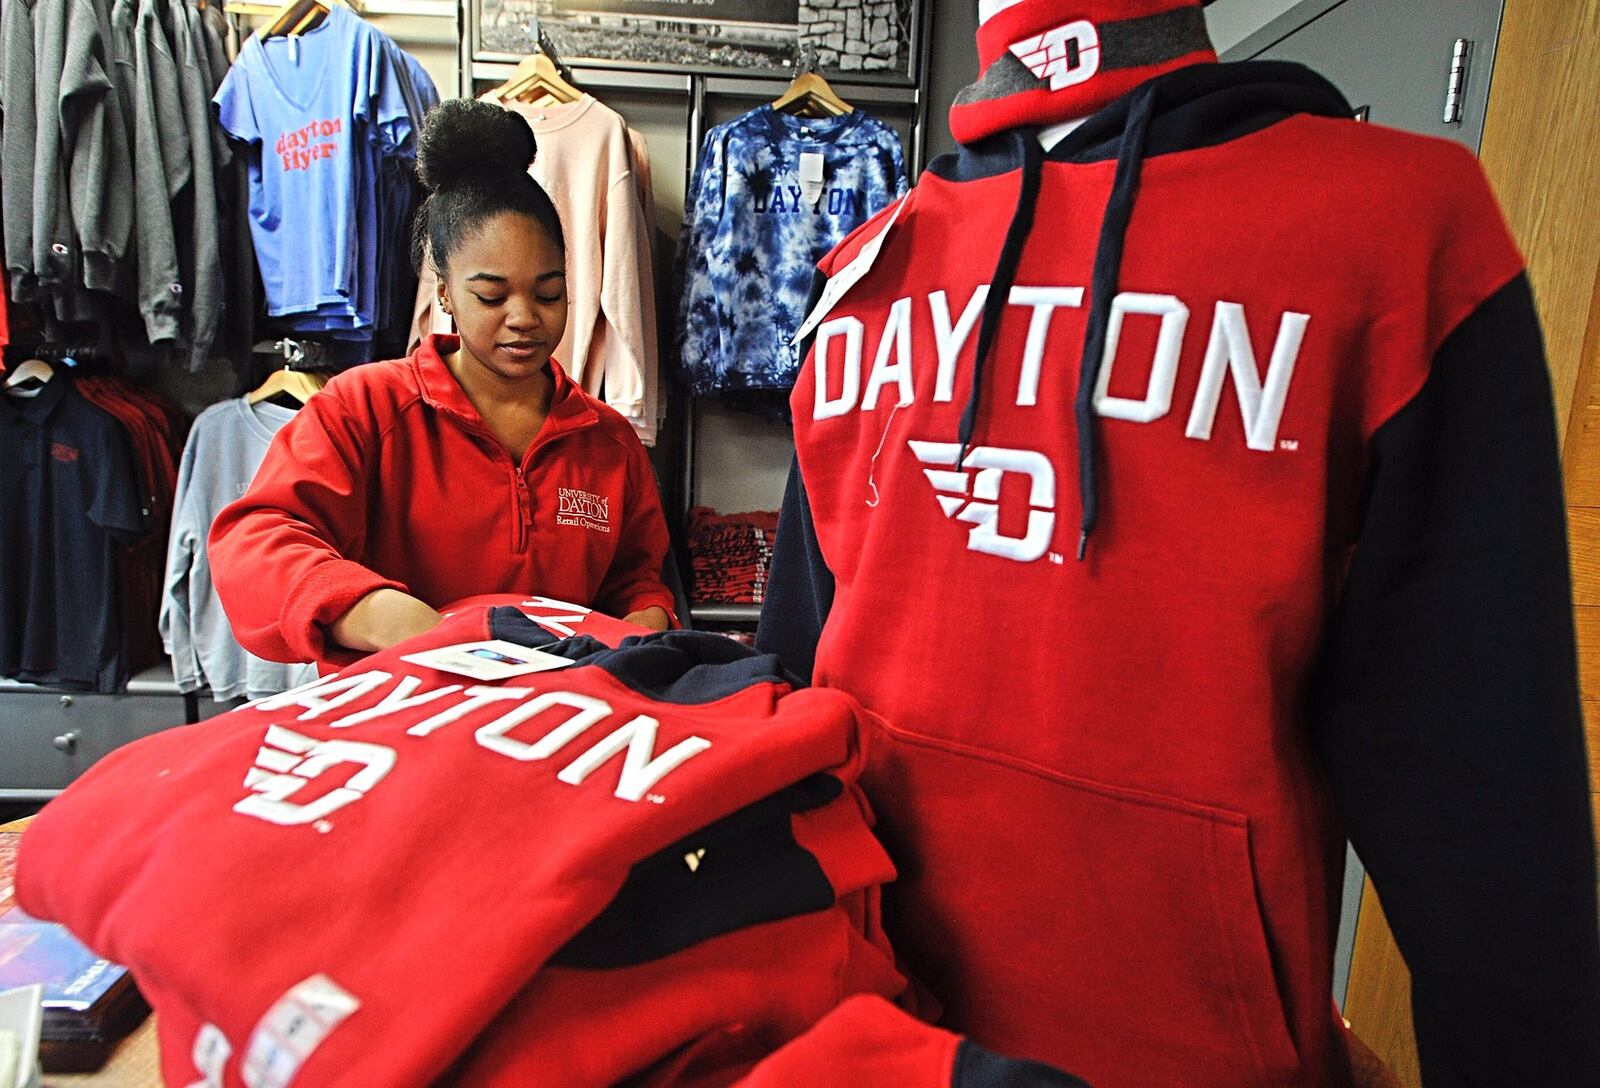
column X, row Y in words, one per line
column 348, row 883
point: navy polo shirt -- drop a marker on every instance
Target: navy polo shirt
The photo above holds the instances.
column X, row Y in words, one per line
column 70, row 499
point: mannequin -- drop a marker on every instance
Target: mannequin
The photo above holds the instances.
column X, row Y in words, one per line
column 1249, row 520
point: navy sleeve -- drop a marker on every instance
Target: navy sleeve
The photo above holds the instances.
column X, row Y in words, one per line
column 799, row 591
column 799, row 585
column 976, row 1067
column 1446, row 711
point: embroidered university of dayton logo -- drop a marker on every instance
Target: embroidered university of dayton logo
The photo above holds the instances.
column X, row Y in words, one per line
column 1066, row 56
column 287, row 763
column 581, row 508
column 970, row 492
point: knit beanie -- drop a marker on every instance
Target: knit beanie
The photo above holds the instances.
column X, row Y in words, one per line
column 1048, row 61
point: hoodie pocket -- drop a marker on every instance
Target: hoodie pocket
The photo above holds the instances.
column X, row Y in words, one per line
column 1113, row 932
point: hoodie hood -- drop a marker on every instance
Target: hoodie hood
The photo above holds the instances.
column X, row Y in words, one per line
column 1044, row 62
column 1196, row 105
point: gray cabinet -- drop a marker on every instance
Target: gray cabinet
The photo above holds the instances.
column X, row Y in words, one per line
column 1394, row 57
column 49, row 737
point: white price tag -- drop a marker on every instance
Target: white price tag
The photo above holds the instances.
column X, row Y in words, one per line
column 811, row 170
column 847, row 277
column 494, row 659
column 292, row 1030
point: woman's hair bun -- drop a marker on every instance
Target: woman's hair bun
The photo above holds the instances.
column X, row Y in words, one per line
column 466, row 142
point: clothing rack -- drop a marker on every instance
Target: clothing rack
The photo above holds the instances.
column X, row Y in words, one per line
column 805, row 60
column 296, row 354
column 70, row 354
column 695, row 90
column 547, row 47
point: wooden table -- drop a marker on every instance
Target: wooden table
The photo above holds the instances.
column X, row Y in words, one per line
column 136, row 1062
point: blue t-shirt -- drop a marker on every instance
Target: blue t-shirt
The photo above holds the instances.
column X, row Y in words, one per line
column 317, row 112
column 752, row 238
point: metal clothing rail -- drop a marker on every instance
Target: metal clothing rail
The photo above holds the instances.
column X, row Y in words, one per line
column 433, row 9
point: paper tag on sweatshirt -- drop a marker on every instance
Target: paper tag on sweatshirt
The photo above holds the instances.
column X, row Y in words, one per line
column 494, row 659
column 847, row 277
column 811, row 164
column 292, row 1030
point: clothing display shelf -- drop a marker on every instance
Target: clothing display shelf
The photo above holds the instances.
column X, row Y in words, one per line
column 696, row 91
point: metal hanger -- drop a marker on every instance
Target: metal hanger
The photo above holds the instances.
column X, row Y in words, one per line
column 297, row 385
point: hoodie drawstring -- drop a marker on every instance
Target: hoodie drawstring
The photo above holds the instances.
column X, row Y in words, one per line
column 1103, row 288
column 1005, row 274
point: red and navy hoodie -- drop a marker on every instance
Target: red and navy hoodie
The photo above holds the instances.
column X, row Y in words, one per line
column 1182, row 500
column 653, row 864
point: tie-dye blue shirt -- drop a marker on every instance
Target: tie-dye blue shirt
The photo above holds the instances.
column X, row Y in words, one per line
column 751, row 240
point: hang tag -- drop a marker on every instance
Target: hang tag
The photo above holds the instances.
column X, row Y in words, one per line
column 293, row 1029
column 494, row 659
column 811, row 170
column 847, row 277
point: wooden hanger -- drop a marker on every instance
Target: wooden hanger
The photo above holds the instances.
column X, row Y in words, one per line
column 808, row 94
column 537, row 81
column 29, row 377
column 298, row 385
column 299, row 16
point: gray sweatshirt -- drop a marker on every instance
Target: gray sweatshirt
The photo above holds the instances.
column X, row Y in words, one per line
column 203, row 283
column 95, row 147
column 16, row 144
column 223, row 452
column 161, row 172
column 55, row 248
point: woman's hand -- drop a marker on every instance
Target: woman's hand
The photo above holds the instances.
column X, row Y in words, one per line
column 655, row 617
column 383, row 618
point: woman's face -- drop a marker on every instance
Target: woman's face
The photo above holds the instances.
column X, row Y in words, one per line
column 507, row 289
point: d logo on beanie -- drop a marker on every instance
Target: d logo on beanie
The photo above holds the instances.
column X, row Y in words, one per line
column 1067, row 56
column 1048, row 61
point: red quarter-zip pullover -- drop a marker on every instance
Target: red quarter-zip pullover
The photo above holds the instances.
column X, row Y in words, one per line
column 390, row 478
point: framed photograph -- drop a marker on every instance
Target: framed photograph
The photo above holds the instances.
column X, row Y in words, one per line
column 870, row 39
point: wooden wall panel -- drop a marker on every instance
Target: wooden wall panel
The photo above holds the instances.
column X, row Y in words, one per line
column 1541, row 155
column 1378, row 1000
column 1583, row 527
column 1588, row 621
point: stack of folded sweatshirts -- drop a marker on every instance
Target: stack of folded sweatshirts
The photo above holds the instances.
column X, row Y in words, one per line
column 731, row 553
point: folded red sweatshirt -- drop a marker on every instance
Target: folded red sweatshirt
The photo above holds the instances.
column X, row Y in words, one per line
column 350, row 883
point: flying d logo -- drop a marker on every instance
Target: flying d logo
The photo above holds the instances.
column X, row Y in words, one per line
column 974, row 497
column 1066, row 56
column 288, row 762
